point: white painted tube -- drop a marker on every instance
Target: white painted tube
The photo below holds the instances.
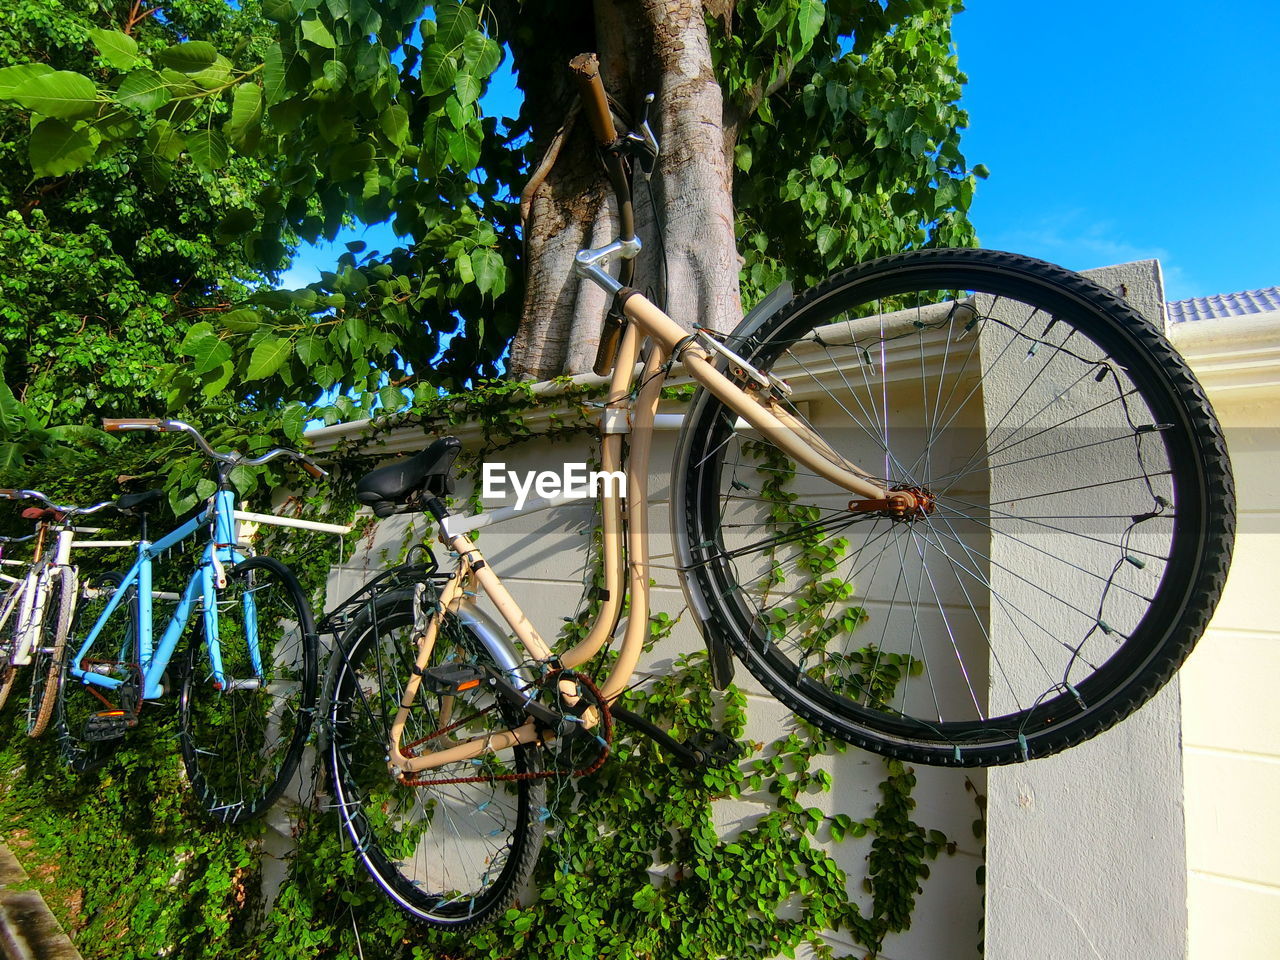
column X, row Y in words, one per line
column 273, row 520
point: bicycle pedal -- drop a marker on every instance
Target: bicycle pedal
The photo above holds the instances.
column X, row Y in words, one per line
column 715, row 748
column 452, row 679
column 108, row 725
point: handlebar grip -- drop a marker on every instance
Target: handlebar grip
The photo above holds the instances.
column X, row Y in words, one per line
column 115, row 425
column 312, row 469
column 586, row 71
column 8, row 494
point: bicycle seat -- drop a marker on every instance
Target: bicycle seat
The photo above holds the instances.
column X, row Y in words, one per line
column 131, row 504
column 387, row 487
column 42, row 513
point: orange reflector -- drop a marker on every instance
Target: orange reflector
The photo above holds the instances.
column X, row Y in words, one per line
column 468, row 685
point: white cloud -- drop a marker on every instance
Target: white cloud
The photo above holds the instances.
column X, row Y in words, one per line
column 1071, row 239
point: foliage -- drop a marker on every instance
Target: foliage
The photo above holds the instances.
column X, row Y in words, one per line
column 295, row 117
column 850, row 147
column 102, row 267
column 635, row 866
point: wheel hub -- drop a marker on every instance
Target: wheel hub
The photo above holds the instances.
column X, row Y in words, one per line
column 904, row 503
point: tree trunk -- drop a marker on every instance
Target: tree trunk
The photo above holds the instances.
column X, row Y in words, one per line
column 658, row 46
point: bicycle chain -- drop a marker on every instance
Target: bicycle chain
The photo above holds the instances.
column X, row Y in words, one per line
column 606, row 730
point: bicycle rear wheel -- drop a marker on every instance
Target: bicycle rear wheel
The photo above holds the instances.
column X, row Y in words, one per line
column 114, row 654
column 46, row 655
column 1059, row 535
column 448, row 854
column 243, row 733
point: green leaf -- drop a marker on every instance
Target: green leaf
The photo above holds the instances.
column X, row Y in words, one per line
column 464, row 147
column 195, row 333
column 275, row 80
column 56, row 148
column 189, row 57
column 207, row 149
column 237, row 221
column 490, row 271
column 243, row 320
column 267, row 357
column 453, row 23
column 13, row 77
column 317, row 33
column 335, row 74
column 118, row 49
column 809, row 20
column 481, row 54
column 439, row 71
column 246, row 114
column 312, row 349
column 217, row 74
column 163, row 141
column 279, row 11
column 155, row 170
column 294, row 421
column 144, row 90
column 742, row 157
column 467, row 89
column 392, row 399
column 827, row 238
column 209, row 353
column 395, row 124
column 63, row 94
column 117, row 125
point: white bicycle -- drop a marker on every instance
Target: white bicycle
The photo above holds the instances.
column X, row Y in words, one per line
column 39, row 607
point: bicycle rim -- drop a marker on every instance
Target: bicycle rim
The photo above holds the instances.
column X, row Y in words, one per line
column 243, row 732
column 1067, row 521
column 46, row 658
column 450, row 855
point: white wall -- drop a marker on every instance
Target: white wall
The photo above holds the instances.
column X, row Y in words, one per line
column 1231, row 712
column 540, row 559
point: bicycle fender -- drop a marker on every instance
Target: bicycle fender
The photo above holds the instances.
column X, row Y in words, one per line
column 718, row 650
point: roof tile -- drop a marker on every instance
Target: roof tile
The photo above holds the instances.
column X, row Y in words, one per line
column 1220, row 305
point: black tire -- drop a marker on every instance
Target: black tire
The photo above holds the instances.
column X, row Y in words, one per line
column 243, row 735
column 46, row 656
column 448, row 855
column 114, row 653
column 1070, row 537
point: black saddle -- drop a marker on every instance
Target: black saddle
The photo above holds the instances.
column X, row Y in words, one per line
column 404, row 481
column 136, row 504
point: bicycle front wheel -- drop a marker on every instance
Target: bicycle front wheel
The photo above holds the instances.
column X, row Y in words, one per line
column 248, row 694
column 46, row 655
column 1057, row 535
column 452, row 845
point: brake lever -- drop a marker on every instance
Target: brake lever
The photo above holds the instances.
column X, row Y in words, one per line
column 644, row 145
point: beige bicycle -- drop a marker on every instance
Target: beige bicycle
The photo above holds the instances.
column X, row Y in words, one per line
column 955, row 506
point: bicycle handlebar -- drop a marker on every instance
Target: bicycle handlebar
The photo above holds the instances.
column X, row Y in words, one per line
column 586, row 71
column 64, row 508
column 115, row 425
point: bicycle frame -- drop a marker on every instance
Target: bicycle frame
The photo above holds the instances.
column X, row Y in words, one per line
column 152, row 658
column 621, row 415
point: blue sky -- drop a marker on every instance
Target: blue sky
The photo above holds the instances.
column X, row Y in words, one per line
column 1129, row 129
column 1113, row 132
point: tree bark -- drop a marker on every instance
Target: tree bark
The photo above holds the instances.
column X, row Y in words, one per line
column 658, row 46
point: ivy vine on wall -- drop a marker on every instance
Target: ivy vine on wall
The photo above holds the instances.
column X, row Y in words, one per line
column 634, row 865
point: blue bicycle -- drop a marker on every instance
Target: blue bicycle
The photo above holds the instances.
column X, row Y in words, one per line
column 248, row 680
